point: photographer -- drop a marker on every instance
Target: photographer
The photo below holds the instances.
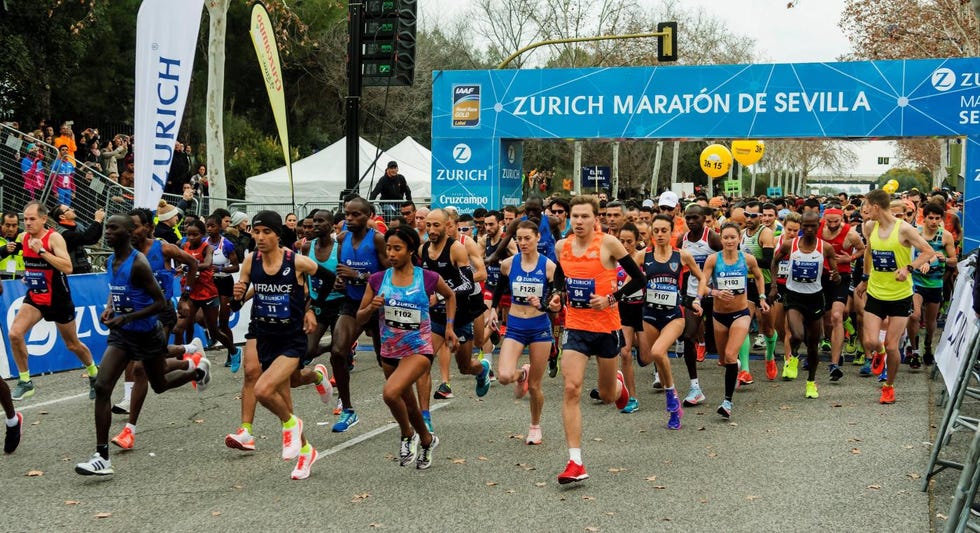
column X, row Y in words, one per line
column 78, row 236
column 113, row 152
column 11, row 247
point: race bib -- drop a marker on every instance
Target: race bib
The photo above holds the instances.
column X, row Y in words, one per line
column 661, row 295
column 493, row 275
column 36, row 282
column 402, row 317
column 580, row 291
column 805, row 271
column 782, row 270
column 736, row 284
column 271, row 307
column 527, row 290
column 884, row 260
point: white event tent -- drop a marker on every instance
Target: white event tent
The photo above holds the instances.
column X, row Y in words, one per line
column 322, row 176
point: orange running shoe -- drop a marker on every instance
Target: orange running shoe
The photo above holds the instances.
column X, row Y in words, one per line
column 744, row 378
column 700, row 349
column 887, row 394
column 125, row 439
column 878, row 362
column 771, row 369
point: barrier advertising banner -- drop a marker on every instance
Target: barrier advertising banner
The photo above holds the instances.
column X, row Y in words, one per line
column 166, row 37
column 47, row 352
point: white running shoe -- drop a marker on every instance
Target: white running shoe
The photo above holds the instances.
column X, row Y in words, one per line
column 292, row 441
column 306, row 460
column 96, row 466
column 324, row 388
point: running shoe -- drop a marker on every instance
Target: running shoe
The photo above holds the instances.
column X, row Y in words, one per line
column 324, row 388
column 631, row 406
column 771, row 369
column 573, row 473
column 908, row 351
column 760, row 342
column 878, row 362
column 594, row 394
column 303, row 464
column 23, row 390
column 12, row 438
column 96, row 466
column 624, row 394
column 348, row 419
column 443, row 392
column 694, row 397
column 292, row 440
column 339, row 408
column 804, row 363
column 849, row 327
column 520, row 386
column 236, row 360
column 91, row 387
column 887, row 394
column 928, row 359
column 121, row 408
column 915, row 362
column 125, row 439
column 865, row 370
column 427, row 418
column 408, row 450
column 791, row 368
column 483, row 379
column 657, row 385
column 745, row 378
column 883, row 377
column 835, row 372
column 533, row 436
column 198, row 345
column 811, row 390
column 850, row 345
column 725, row 409
column 673, row 403
column 203, row 374
column 700, row 350
column 858, row 359
column 674, row 419
column 493, row 377
column 240, row 440
column 424, row 460
column 825, row 346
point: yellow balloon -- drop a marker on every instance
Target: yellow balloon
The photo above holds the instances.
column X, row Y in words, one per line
column 891, row 186
column 716, row 160
column 748, row 152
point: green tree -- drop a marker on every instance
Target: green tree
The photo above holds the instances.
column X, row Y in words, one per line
column 907, row 179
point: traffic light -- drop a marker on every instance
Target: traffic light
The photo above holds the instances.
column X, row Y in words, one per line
column 667, row 42
column 387, row 39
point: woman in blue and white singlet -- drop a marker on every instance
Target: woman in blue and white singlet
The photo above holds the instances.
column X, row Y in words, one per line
column 528, row 277
column 727, row 276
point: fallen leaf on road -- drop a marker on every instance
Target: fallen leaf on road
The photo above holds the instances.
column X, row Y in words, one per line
column 733, row 424
column 702, row 500
column 712, row 455
column 540, row 484
column 701, row 428
column 237, row 487
column 34, row 473
column 652, row 478
column 909, row 446
column 459, row 461
column 44, row 412
column 517, row 437
column 360, row 497
column 853, row 439
column 856, row 451
column 509, row 491
column 199, row 421
column 617, row 470
column 610, row 514
column 784, row 408
column 526, row 466
column 36, row 423
column 752, row 498
column 588, row 497
column 215, row 513
column 913, row 475
column 837, row 405
column 874, row 487
column 592, row 529
column 597, row 439
column 152, row 454
column 71, row 502
column 660, row 487
column 375, row 524
column 482, row 458
column 491, row 483
column 941, row 516
column 103, row 515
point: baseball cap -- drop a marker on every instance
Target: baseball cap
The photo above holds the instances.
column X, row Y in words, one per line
column 269, row 219
column 392, row 164
column 668, row 199
column 648, row 203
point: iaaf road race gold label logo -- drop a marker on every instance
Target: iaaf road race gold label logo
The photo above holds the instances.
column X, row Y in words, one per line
column 466, row 106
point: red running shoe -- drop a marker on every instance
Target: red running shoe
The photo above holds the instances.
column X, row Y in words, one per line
column 878, row 362
column 573, row 472
column 624, row 395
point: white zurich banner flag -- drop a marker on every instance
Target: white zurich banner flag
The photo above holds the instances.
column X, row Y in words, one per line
column 166, row 38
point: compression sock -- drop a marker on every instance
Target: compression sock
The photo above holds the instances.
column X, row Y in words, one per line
column 247, row 426
column 92, row 370
column 771, row 347
column 731, row 376
column 306, row 448
column 743, row 354
column 25, row 376
column 291, row 423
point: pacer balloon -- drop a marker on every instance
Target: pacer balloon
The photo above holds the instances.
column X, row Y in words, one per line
column 748, row 152
column 716, row 160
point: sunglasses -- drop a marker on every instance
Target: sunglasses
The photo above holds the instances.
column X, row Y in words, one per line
column 752, row 215
column 909, row 213
column 558, row 211
column 467, row 229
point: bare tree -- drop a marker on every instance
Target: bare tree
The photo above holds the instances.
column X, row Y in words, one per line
column 507, row 26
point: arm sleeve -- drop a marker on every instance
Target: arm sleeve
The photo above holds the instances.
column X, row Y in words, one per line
column 559, row 283
column 636, row 277
column 767, row 254
column 502, row 288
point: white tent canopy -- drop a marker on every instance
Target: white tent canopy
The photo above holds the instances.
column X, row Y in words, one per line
column 411, row 154
column 322, row 176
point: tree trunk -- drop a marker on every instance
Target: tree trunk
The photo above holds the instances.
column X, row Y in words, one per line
column 218, row 17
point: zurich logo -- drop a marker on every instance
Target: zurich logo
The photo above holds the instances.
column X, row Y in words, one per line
column 511, row 154
column 391, row 301
column 943, row 79
column 462, row 153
